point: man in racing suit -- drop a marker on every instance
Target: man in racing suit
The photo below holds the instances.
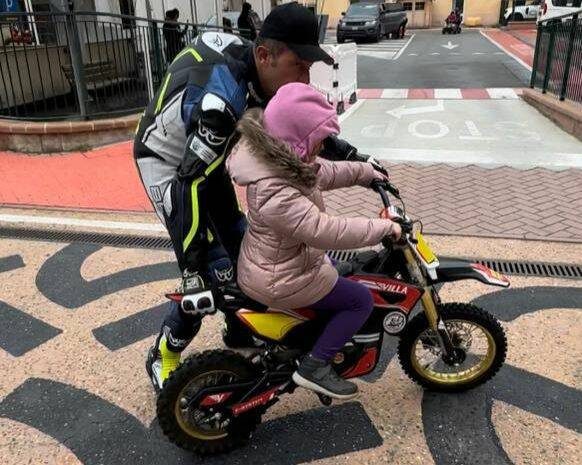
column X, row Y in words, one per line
column 180, row 146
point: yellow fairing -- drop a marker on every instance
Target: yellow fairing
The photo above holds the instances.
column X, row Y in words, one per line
column 271, row 325
column 424, row 250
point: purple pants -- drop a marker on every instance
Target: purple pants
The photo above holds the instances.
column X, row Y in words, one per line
column 351, row 304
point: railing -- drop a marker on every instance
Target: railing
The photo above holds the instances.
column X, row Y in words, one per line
column 557, row 66
column 84, row 64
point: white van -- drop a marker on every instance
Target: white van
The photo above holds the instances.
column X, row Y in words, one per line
column 552, row 8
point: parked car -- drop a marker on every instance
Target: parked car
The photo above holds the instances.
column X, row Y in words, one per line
column 552, row 8
column 522, row 12
column 372, row 21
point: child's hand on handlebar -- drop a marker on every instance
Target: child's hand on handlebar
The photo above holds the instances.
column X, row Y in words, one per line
column 382, row 177
column 396, row 232
column 380, row 170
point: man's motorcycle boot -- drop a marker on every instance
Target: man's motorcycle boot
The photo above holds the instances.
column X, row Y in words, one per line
column 161, row 361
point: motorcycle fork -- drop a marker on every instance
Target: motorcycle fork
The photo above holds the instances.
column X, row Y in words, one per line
column 429, row 305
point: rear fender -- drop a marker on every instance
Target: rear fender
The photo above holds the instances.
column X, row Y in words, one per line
column 458, row 270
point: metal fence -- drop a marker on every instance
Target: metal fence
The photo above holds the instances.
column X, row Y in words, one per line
column 84, row 64
column 557, row 66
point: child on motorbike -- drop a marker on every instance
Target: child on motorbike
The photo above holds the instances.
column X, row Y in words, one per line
column 282, row 262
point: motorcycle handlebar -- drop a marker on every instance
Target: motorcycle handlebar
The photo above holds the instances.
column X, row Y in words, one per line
column 380, row 187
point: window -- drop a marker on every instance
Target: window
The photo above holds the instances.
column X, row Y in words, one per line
column 407, row 6
column 362, row 9
column 419, row 6
column 45, row 25
column 392, row 7
column 570, row 3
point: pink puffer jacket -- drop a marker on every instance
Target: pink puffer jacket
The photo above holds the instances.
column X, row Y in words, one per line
column 282, row 262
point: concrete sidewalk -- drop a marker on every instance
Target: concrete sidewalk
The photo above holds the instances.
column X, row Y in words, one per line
column 465, row 200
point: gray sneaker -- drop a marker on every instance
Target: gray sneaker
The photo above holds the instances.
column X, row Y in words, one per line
column 319, row 376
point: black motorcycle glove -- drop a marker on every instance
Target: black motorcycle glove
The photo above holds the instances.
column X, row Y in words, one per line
column 336, row 149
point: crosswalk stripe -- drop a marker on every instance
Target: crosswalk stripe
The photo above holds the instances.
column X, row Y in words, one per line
column 394, row 93
column 387, row 49
column 447, row 94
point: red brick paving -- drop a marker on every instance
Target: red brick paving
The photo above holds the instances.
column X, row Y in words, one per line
column 469, row 200
column 464, row 200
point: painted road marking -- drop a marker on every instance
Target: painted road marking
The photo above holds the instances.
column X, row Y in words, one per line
column 63, row 221
column 401, row 111
column 450, row 45
column 448, row 93
column 502, row 130
column 395, row 93
column 475, row 133
column 502, row 93
column 428, row 129
column 385, row 49
column 554, row 161
column 350, row 111
column 404, row 48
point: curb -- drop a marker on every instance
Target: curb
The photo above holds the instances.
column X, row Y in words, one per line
column 64, row 136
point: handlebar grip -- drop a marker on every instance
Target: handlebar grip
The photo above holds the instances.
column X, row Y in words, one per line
column 377, row 185
column 380, row 187
column 387, row 244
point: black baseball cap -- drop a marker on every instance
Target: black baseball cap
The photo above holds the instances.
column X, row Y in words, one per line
column 296, row 27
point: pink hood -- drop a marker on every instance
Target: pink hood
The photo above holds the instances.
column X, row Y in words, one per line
column 300, row 116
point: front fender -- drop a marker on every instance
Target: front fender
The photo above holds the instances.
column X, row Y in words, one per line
column 450, row 270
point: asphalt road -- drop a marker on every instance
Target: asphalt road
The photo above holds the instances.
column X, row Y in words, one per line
column 468, row 60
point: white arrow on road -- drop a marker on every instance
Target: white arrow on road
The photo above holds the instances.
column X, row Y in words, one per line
column 450, row 46
column 401, row 111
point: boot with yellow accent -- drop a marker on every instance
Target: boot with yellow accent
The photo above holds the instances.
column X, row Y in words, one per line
column 162, row 360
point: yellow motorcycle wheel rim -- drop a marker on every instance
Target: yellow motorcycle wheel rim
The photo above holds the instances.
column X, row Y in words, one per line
column 462, row 377
column 198, row 433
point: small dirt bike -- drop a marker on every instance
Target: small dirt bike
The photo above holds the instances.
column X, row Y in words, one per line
column 215, row 399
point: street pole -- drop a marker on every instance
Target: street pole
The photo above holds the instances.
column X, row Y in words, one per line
column 192, row 13
column 218, row 14
column 28, row 8
column 146, row 48
column 76, row 56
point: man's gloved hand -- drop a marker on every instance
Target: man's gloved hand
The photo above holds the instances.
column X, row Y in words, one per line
column 377, row 166
column 336, row 149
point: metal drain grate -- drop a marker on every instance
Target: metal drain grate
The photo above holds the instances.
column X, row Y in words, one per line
column 342, row 255
column 541, row 269
column 114, row 240
column 509, row 267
